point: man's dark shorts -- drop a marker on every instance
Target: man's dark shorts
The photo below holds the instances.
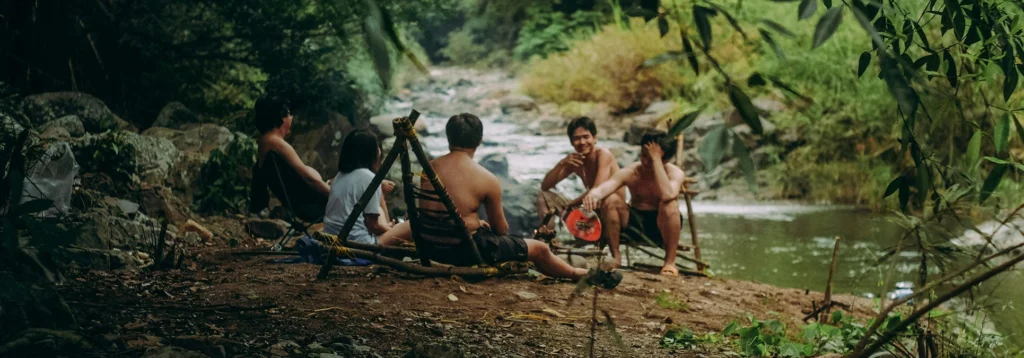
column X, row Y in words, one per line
column 494, row 249
column 644, row 222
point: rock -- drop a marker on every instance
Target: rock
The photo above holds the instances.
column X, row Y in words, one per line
column 200, row 140
column 9, row 125
column 743, row 129
column 517, row 102
column 38, row 342
column 639, row 126
column 153, row 156
column 344, row 340
column 526, row 295
column 283, row 348
column 320, row 146
column 56, row 133
column 546, row 125
column 706, row 122
column 266, row 228
column 317, row 348
column 127, row 207
column 329, row 355
column 173, row 352
column 361, row 349
column 94, row 114
column 70, row 123
column 662, row 108
column 495, row 163
column 384, row 125
column 192, row 226
column 656, row 327
column 28, row 301
column 160, row 202
column 173, row 115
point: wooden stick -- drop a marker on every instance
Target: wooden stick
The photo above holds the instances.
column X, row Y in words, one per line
column 828, row 287
column 681, row 267
column 410, row 196
column 405, row 126
column 682, row 270
column 690, row 218
column 364, row 200
column 161, row 242
column 436, row 270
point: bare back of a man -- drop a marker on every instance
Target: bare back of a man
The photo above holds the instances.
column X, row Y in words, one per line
column 470, row 186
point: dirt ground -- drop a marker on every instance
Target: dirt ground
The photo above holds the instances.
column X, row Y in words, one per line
column 230, row 305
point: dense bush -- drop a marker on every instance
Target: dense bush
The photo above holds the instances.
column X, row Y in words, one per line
column 225, row 178
column 604, row 67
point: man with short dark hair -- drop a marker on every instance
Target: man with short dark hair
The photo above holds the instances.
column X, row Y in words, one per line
column 654, row 185
column 471, row 186
column 593, row 165
column 273, row 118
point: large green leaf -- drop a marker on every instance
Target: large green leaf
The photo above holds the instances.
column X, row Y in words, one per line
column 974, row 150
column 745, row 108
column 742, row 153
column 685, row 122
column 701, row 19
column 894, row 185
column 1001, row 133
column 807, row 8
column 712, row 148
column 950, row 69
column 863, row 62
column 827, row 25
column 992, row 182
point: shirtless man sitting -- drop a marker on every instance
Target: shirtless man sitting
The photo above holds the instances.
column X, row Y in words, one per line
column 654, row 188
column 471, row 186
column 273, row 119
column 594, row 165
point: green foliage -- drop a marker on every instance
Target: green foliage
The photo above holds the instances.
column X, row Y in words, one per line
column 111, row 154
column 546, row 32
column 683, row 338
column 225, row 177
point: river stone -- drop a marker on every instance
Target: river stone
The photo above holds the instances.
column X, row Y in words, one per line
column 173, row 352
column 496, row 163
column 95, row 115
column 195, row 145
column 319, row 145
column 266, row 228
column 173, row 115
column 71, row 123
column 661, row 108
column 56, row 133
column 639, row 126
column 526, row 295
column 517, row 102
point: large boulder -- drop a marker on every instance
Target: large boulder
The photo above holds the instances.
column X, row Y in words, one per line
column 319, row 146
column 94, row 114
column 517, row 102
column 70, row 123
column 153, row 156
column 173, row 115
column 195, row 145
column 656, row 116
column 495, row 163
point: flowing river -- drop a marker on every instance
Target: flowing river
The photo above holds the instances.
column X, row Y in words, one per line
column 782, row 244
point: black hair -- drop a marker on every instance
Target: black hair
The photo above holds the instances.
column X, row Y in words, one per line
column 668, row 144
column 584, row 122
column 464, row 131
column 359, row 150
column 270, row 113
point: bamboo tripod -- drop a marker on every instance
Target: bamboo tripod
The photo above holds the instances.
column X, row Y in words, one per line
column 405, row 141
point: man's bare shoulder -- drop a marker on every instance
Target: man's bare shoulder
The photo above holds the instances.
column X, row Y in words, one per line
column 673, row 170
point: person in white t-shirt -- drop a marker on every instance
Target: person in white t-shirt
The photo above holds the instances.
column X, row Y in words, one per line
column 357, row 165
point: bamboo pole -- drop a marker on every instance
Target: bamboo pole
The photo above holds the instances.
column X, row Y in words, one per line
column 433, row 271
column 689, row 214
column 410, row 196
column 357, row 211
column 682, row 269
column 828, row 286
column 405, row 126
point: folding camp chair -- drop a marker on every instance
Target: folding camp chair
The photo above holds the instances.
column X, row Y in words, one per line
column 304, row 206
column 436, row 233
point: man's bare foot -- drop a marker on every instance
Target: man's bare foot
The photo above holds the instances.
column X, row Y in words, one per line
column 670, row 270
column 617, row 261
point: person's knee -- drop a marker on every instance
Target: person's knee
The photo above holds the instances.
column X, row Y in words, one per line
column 537, row 250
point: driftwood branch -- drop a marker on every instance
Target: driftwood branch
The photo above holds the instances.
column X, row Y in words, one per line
column 437, row 270
column 701, row 265
column 827, row 304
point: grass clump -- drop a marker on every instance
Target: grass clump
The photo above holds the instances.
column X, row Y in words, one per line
column 668, row 301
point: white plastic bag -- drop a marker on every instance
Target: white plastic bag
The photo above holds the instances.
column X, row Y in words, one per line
column 53, row 178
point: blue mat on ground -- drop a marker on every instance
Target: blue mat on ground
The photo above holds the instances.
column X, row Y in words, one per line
column 311, row 251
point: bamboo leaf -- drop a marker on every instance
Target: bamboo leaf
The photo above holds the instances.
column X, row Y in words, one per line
column 898, row 86
column 807, row 8
column 894, row 185
column 778, row 28
column 662, row 58
column 742, row 153
column 680, row 126
column 865, row 22
column 1020, row 129
column 992, row 182
column 662, row 25
column 996, row 160
column 904, row 194
column 921, row 35
column 771, row 43
column 756, row 80
column 950, row 69
column 827, row 25
column 745, row 108
column 732, row 20
column 712, row 148
column 690, row 54
column 788, row 88
column 1001, row 133
column 614, row 331
column 700, row 19
column 974, row 150
column 862, row 64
